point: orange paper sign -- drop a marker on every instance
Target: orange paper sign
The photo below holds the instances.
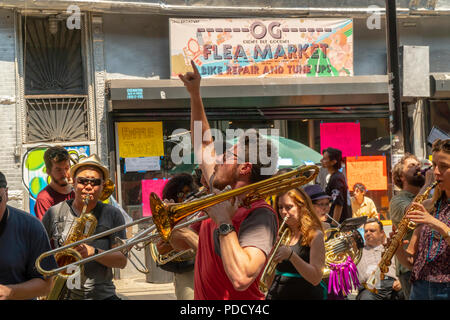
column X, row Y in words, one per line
column 368, row 170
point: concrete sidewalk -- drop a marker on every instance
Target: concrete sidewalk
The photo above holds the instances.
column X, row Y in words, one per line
column 133, row 285
column 139, row 289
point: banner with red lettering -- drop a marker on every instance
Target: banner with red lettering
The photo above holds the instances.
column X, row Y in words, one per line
column 233, row 48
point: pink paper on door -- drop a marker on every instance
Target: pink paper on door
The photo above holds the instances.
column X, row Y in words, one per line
column 148, row 186
column 345, row 136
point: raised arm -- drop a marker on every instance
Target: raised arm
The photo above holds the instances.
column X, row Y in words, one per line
column 191, row 81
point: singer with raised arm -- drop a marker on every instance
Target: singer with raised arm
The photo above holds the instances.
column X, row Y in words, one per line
column 234, row 243
column 89, row 176
column 428, row 252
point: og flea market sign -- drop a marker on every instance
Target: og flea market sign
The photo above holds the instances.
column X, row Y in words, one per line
column 229, row 48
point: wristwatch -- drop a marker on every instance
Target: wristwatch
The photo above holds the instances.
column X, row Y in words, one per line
column 95, row 251
column 225, row 228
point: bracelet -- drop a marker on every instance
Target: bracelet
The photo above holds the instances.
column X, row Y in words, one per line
column 289, row 258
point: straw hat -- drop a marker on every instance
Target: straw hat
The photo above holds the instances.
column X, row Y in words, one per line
column 93, row 161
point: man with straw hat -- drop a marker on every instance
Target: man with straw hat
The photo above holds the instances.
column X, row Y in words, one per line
column 89, row 178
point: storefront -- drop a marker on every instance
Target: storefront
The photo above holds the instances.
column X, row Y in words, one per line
column 296, row 107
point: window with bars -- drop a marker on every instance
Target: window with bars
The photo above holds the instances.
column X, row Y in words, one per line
column 55, row 90
column 57, row 119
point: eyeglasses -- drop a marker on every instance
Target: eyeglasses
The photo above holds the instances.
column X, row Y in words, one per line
column 93, row 182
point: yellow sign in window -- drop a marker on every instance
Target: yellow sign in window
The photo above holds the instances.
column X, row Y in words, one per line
column 140, row 139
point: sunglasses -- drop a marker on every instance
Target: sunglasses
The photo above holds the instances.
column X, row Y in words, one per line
column 93, row 182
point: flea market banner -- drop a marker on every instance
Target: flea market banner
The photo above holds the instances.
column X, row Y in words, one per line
column 230, row 48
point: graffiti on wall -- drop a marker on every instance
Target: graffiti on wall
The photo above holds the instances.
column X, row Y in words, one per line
column 34, row 172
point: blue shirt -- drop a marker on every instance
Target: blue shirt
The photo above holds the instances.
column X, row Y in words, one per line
column 22, row 240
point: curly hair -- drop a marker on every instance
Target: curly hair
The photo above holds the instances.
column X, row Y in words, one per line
column 398, row 169
column 176, row 184
column 309, row 223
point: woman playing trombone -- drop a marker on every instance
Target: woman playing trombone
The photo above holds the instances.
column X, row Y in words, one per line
column 299, row 272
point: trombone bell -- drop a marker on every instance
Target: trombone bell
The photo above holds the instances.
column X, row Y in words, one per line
column 161, row 217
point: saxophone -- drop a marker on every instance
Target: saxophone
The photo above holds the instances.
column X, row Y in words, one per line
column 396, row 240
column 83, row 227
column 285, row 235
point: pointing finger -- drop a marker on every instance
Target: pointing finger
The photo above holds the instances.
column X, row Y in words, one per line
column 194, row 67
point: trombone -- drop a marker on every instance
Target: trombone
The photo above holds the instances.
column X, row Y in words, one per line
column 147, row 236
column 167, row 216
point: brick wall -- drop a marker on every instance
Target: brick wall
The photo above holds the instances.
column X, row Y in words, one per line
column 9, row 164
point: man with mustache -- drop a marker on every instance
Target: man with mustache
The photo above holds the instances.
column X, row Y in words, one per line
column 407, row 177
column 58, row 165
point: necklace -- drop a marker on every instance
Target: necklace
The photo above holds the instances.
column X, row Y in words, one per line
column 432, row 237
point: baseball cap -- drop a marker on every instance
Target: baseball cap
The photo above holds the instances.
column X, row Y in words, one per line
column 315, row 192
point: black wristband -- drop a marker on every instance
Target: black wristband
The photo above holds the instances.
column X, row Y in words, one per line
column 289, row 258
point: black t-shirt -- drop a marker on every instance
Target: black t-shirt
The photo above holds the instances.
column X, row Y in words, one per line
column 288, row 284
column 337, row 189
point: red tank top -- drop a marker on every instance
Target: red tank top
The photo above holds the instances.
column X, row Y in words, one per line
column 211, row 280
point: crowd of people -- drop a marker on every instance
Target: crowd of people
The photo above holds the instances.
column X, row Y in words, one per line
column 232, row 246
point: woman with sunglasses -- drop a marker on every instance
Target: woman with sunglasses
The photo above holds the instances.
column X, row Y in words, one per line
column 89, row 177
column 299, row 272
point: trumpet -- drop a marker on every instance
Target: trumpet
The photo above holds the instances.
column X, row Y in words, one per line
column 167, row 216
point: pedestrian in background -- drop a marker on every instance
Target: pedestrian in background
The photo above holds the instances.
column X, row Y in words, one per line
column 362, row 205
column 337, row 187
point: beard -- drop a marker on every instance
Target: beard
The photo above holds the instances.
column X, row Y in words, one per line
column 416, row 180
column 219, row 184
column 61, row 182
column 220, row 181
